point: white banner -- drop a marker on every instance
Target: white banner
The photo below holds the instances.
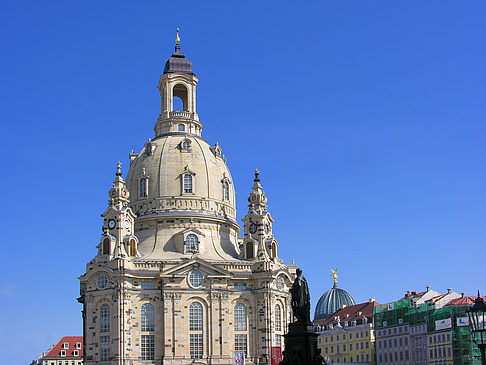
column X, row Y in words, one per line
column 238, row 358
column 443, row 324
column 462, row 321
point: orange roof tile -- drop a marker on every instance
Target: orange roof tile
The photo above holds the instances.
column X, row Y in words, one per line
column 352, row 311
column 55, row 352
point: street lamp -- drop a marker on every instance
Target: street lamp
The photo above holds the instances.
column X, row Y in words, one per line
column 477, row 323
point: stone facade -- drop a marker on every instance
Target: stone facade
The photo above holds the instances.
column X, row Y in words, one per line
column 172, row 282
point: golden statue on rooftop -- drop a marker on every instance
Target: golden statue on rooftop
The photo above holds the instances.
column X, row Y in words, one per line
column 334, row 276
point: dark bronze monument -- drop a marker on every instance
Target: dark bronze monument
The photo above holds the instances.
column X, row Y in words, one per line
column 301, row 340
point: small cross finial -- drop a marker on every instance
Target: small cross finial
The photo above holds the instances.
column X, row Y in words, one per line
column 178, row 40
column 257, row 173
column 118, row 169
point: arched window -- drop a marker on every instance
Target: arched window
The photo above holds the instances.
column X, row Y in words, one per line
column 191, row 244
column 106, row 246
column 179, row 101
column 143, row 187
column 133, row 248
column 240, row 317
column 105, row 318
column 241, row 343
column 147, row 317
column 249, row 250
column 278, row 318
column 181, row 127
column 187, row 183
column 226, row 194
column 195, row 328
column 274, row 249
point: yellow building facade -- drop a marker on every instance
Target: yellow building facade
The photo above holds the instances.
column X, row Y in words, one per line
column 348, row 335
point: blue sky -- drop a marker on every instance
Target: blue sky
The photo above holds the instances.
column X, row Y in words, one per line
column 366, row 119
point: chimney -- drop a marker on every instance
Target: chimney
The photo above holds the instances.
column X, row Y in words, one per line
column 462, row 295
column 428, row 287
column 449, row 290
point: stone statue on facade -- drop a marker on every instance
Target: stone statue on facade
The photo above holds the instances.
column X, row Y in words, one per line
column 300, row 299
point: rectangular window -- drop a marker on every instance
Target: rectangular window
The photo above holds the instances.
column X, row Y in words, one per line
column 367, row 345
column 147, row 284
column 337, row 348
column 63, row 353
column 105, row 348
column 448, row 352
column 196, row 345
column 406, row 341
column 187, row 183
column 147, row 348
column 350, row 347
column 75, row 353
column 241, row 344
column 344, row 347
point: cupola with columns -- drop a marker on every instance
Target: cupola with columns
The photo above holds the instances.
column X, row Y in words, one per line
column 118, row 239
column 178, row 81
column 259, row 242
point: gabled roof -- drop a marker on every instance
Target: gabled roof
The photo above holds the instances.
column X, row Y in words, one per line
column 350, row 313
column 55, row 352
column 463, row 301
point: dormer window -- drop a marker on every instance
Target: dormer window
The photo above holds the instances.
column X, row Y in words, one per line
column 65, row 345
column 226, row 193
column 63, row 353
column 75, row 353
column 78, row 345
column 181, row 127
column 191, row 245
column 187, row 183
column 143, row 187
column 186, row 145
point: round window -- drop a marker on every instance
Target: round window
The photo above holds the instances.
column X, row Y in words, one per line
column 280, row 283
column 195, row 279
column 102, row 281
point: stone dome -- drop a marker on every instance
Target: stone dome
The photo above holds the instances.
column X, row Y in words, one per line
column 163, row 163
column 331, row 301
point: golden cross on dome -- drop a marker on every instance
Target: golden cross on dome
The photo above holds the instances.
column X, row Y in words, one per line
column 178, row 40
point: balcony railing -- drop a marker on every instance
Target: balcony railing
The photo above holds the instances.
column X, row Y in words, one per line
column 180, row 114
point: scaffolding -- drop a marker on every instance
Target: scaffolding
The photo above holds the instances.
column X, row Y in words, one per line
column 404, row 311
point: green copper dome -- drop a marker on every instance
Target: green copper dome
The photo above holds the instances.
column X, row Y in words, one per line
column 331, row 301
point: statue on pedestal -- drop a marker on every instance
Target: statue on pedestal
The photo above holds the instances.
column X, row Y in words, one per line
column 300, row 299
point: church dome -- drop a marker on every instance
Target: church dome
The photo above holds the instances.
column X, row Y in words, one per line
column 180, row 173
column 331, row 301
column 181, row 190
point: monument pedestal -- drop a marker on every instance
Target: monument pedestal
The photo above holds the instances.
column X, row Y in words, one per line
column 301, row 345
